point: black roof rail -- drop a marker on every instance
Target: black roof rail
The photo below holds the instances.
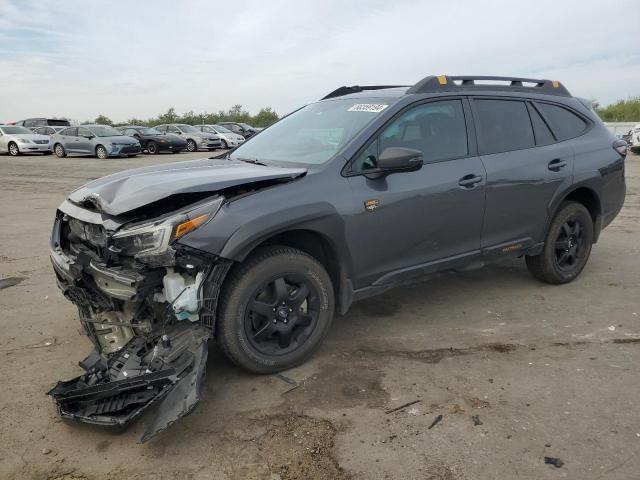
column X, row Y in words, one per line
column 339, row 92
column 445, row 83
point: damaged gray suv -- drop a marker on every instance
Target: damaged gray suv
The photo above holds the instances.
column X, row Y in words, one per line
column 367, row 189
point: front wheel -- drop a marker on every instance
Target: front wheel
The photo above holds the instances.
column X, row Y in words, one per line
column 276, row 308
column 192, row 146
column 567, row 246
column 60, row 152
column 14, row 151
column 152, row 148
column 225, row 145
column 101, row 152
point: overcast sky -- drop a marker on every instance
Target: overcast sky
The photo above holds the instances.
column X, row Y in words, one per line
column 134, row 58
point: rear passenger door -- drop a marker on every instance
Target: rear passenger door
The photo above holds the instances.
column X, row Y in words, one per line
column 525, row 168
column 68, row 139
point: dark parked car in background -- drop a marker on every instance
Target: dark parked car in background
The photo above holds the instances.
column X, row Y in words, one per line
column 243, row 129
column 154, row 141
column 43, row 122
column 368, row 189
column 103, row 141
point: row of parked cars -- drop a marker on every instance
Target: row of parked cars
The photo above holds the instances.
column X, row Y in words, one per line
column 103, row 141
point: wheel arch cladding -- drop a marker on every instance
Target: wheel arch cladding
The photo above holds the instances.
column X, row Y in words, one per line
column 588, row 197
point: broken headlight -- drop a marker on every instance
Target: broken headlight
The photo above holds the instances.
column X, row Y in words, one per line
column 153, row 238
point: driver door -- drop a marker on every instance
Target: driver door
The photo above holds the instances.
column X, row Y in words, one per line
column 409, row 224
column 83, row 142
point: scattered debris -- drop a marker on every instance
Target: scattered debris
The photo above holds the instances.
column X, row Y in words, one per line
column 475, row 402
column 435, row 422
column 401, row 407
column 455, row 408
column 10, row 282
column 291, row 382
column 46, row 451
column 547, row 445
column 612, row 328
column 476, row 420
column 556, row 462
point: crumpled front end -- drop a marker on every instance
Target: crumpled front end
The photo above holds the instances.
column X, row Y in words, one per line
column 148, row 313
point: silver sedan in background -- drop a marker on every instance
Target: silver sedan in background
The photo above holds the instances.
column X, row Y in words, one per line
column 15, row 140
column 102, row 141
column 228, row 138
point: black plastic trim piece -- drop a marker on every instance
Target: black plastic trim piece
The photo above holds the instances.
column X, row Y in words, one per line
column 444, row 83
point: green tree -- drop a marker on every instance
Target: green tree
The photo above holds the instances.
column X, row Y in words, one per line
column 103, row 120
column 265, row 117
column 621, row 111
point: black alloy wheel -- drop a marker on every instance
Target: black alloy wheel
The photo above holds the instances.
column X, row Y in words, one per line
column 281, row 314
column 570, row 244
column 567, row 245
column 275, row 309
column 152, row 147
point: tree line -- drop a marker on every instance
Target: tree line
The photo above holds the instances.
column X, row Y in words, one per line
column 621, row 111
column 265, row 117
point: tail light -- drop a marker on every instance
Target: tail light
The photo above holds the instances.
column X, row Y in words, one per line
column 620, row 146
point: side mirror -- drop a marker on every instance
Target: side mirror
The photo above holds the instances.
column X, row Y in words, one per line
column 396, row 159
column 88, row 137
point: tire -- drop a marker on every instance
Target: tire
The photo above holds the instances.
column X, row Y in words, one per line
column 567, row 246
column 225, row 145
column 290, row 331
column 192, row 146
column 13, row 149
column 59, row 150
column 101, row 152
column 152, row 148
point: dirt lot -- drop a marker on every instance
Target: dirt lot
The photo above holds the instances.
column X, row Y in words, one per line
column 549, row 371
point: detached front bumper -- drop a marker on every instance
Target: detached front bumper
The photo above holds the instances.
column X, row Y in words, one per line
column 144, row 354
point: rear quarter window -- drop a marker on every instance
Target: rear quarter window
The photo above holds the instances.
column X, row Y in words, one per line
column 504, row 125
column 564, row 123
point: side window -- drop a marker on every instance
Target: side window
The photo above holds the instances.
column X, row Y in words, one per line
column 541, row 130
column 564, row 123
column 83, row 132
column 173, row 130
column 71, row 132
column 504, row 125
column 437, row 129
column 29, row 123
column 130, row 132
column 41, row 123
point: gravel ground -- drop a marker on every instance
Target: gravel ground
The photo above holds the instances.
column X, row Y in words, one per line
column 545, row 371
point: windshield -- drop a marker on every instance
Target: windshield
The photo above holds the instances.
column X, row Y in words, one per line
column 188, row 128
column 104, row 131
column 15, row 130
column 221, row 129
column 311, row 135
column 246, row 126
column 149, row 131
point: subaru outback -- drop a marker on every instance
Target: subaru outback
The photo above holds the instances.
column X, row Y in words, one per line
column 370, row 188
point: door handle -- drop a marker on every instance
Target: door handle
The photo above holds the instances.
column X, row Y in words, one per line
column 556, row 164
column 469, row 181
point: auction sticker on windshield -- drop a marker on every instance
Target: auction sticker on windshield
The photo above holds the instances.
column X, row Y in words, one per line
column 367, row 107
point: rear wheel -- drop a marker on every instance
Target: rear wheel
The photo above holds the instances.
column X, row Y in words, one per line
column 275, row 311
column 60, row 152
column 567, row 246
column 152, row 148
column 101, row 152
column 14, row 151
column 192, row 146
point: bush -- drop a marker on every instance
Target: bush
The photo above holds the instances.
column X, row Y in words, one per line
column 621, row 111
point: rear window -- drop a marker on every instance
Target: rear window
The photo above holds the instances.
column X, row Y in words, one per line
column 57, row 122
column 504, row 126
column 564, row 123
column 540, row 128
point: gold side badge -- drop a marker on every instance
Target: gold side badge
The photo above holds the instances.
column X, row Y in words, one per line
column 371, row 205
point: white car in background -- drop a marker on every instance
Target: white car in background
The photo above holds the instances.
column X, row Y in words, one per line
column 634, row 140
column 15, row 140
column 229, row 139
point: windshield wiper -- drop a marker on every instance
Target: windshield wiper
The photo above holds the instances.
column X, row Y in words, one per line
column 255, row 161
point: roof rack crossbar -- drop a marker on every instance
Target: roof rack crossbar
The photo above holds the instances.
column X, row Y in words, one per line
column 340, row 91
column 445, row 83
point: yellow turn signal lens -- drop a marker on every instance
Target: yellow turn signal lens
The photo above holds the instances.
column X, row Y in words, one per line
column 190, row 225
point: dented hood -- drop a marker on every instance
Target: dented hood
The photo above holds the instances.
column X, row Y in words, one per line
column 124, row 191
